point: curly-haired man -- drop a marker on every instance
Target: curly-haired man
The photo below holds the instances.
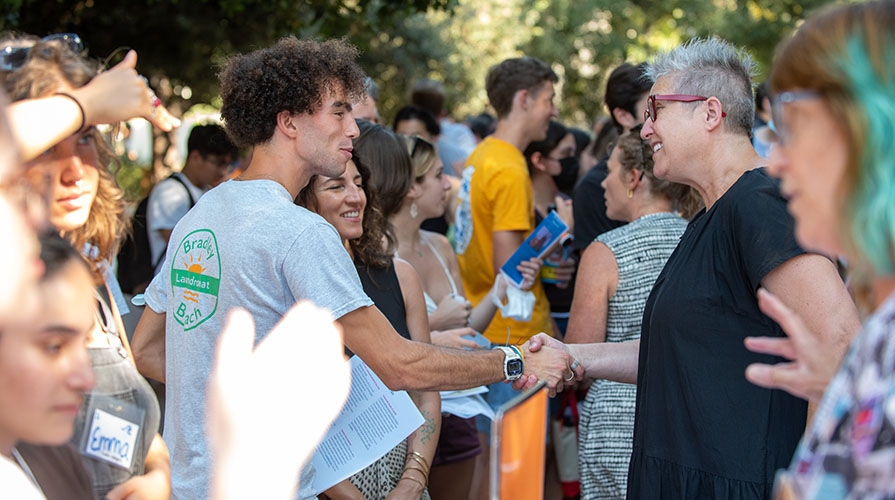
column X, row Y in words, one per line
column 247, row 244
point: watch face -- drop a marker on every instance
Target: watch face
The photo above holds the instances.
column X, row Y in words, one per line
column 514, row 367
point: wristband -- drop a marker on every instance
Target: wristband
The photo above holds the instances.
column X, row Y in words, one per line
column 519, row 352
column 80, row 108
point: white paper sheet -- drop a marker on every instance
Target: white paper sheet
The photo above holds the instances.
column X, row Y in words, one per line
column 373, row 421
column 467, row 406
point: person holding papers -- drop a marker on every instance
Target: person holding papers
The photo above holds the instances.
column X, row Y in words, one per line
column 545, row 160
column 495, row 209
column 617, row 271
column 347, row 202
column 247, row 244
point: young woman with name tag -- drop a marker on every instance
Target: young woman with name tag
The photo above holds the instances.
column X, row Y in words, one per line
column 116, row 429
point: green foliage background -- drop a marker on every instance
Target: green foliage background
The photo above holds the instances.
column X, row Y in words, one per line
column 182, row 43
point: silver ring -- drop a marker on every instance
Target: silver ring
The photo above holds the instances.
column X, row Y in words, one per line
column 575, row 364
column 570, row 377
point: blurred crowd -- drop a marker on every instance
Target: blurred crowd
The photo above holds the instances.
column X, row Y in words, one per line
column 703, row 282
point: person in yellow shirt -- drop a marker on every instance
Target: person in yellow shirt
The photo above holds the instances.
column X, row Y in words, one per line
column 496, row 203
column 495, row 210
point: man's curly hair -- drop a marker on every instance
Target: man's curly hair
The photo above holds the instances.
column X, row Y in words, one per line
column 293, row 75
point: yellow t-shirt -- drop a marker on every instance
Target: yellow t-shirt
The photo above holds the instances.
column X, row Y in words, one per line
column 496, row 195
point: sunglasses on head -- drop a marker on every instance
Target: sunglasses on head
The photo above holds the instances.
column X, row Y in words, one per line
column 14, row 57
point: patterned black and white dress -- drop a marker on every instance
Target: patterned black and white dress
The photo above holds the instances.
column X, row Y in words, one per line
column 607, row 417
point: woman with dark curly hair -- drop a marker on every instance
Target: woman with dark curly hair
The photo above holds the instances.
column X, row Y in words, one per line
column 348, row 203
column 87, row 208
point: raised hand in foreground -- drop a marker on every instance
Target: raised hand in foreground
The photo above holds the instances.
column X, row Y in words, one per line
column 811, row 364
column 263, row 397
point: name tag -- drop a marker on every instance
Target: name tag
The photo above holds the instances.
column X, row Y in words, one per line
column 113, row 432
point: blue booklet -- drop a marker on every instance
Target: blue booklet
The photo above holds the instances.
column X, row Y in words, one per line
column 538, row 244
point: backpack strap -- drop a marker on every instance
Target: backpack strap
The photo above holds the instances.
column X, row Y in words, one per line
column 161, row 257
column 188, row 192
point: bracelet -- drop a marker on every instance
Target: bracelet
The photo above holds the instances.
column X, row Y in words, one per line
column 413, row 467
column 424, row 470
column 415, row 480
column 415, row 455
column 80, row 107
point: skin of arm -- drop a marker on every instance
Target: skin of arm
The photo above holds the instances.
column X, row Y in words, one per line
column 155, row 483
column 505, row 243
column 809, row 288
column 424, row 439
column 615, row 361
column 406, row 365
column 33, row 133
column 112, row 96
column 597, row 282
column 480, row 315
column 149, row 345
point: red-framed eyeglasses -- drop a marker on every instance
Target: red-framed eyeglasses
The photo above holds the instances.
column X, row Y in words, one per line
column 651, row 112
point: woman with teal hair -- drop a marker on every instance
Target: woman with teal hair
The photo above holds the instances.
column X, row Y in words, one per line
column 833, row 92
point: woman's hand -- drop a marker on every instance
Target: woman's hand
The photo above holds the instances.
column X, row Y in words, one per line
column 455, row 338
column 120, row 94
column 452, row 312
column 154, row 485
column 812, row 364
column 564, row 211
column 565, row 271
column 406, row 490
column 530, row 269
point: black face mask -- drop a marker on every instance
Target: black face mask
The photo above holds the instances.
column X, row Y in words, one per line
column 566, row 180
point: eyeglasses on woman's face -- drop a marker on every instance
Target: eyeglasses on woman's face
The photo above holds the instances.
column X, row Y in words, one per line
column 651, row 111
column 777, row 103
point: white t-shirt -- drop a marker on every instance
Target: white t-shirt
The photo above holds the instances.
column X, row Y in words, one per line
column 14, row 483
column 168, row 203
column 245, row 244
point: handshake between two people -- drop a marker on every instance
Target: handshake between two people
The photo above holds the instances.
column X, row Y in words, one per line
column 551, row 361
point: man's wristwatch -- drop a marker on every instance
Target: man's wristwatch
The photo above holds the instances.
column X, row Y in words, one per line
column 512, row 363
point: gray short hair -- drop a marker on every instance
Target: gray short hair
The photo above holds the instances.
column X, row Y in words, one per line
column 712, row 67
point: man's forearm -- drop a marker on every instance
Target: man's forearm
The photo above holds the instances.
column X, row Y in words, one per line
column 406, row 365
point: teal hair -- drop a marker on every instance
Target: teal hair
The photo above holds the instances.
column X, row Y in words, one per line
column 871, row 207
